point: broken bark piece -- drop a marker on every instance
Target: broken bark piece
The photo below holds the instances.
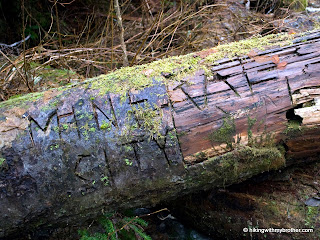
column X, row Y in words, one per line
column 103, row 144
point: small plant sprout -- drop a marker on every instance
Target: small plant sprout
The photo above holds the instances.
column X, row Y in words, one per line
column 128, row 162
column 105, row 180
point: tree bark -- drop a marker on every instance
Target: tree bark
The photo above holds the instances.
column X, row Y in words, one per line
column 67, row 155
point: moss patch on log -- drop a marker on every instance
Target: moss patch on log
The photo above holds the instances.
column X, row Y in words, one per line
column 177, row 68
column 22, row 101
column 240, row 164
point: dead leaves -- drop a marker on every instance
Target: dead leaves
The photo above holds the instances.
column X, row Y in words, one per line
column 11, row 127
column 14, row 123
column 14, row 120
column 262, row 59
column 282, row 65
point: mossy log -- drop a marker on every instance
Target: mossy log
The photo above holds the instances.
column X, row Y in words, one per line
column 68, row 154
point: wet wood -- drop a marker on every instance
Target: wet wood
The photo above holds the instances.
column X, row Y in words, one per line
column 245, row 88
column 67, row 156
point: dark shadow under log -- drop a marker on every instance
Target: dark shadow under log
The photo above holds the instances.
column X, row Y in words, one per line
column 67, row 154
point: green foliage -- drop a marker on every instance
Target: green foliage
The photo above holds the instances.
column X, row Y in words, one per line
column 299, row 5
column 2, row 161
column 149, row 118
column 105, row 179
column 105, row 125
column 312, row 214
column 225, row 133
column 251, row 122
column 128, row 162
column 293, row 129
column 116, row 227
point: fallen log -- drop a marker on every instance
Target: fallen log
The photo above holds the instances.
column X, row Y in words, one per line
column 149, row 133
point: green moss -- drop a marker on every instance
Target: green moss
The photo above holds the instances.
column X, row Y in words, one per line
column 177, row 67
column 128, row 162
column 128, row 148
column 105, row 180
column 225, row 133
column 308, row 104
column 293, row 128
column 312, row 216
column 54, row 146
column 149, row 119
column 15, row 96
column 299, row 5
column 22, row 101
column 51, row 105
column 2, row 160
column 92, row 129
column 201, row 156
column 251, row 122
column 56, row 129
column 243, row 47
column 241, row 163
column 105, row 125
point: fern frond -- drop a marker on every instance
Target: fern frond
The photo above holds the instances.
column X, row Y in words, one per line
column 139, row 232
column 141, row 222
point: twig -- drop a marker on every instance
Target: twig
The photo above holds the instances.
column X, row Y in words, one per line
column 145, row 39
column 4, row 46
column 13, row 64
column 24, row 77
column 123, row 45
column 57, row 22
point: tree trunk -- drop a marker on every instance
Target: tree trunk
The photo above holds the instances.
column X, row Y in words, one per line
column 69, row 153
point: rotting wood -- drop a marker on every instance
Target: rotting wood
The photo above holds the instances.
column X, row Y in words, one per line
column 67, row 155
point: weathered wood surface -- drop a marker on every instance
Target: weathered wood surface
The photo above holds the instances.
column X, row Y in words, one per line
column 65, row 163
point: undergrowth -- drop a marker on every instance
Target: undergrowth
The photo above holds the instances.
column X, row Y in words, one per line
column 116, row 226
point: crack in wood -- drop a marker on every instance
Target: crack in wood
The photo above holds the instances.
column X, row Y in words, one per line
column 265, row 80
column 113, row 113
column 248, row 81
column 232, row 88
column 175, row 128
column 134, row 146
column 225, row 112
column 65, row 115
column 190, row 98
column 31, row 135
column 106, row 159
column 110, row 120
column 79, row 158
column 95, row 115
column 245, row 75
column 289, row 90
column 162, row 148
column 205, row 91
column 59, row 130
column 76, row 122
